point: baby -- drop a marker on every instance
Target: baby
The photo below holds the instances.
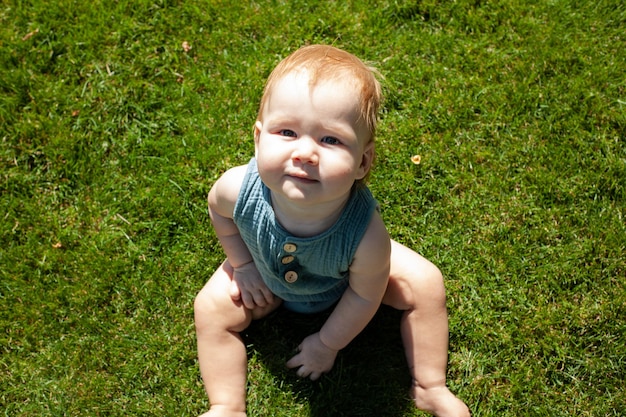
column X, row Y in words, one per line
column 300, row 228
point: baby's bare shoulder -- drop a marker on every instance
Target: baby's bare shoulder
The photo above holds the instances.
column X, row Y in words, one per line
column 224, row 193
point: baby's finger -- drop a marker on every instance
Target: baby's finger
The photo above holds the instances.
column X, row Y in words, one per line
column 303, row 372
column 247, row 300
column 315, row 376
column 294, row 362
column 268, row 295
column 259, row 299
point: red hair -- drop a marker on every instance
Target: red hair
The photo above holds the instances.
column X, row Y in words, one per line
column 327, row 63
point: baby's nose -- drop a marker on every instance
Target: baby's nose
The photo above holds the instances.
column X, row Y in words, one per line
column 306, row 151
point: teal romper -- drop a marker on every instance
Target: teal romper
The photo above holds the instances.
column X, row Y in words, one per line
column 309, row 274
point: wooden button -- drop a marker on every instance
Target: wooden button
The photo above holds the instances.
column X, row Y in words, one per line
column 287, row 259
column 291, row 276
column 290, row 247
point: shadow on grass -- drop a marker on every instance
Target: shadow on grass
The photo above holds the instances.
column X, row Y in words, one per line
column 370, row 376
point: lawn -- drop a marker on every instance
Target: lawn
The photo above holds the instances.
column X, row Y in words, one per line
column 116, row 117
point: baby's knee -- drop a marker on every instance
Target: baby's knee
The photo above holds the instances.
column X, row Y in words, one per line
column 427, row 284
column 407, row 265
column 431, row 284
column 204, row 308
column 203, row 303
column 215, row 310
column 433, row 276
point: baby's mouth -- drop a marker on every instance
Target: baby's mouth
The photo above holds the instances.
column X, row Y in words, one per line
column 301, row 177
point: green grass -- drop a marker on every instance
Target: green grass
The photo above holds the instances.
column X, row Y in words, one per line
column 111, row 136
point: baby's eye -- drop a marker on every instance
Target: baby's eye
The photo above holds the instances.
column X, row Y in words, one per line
column 288, row 132
column 330, row 140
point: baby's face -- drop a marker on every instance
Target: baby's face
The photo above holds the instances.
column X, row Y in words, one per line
column 311, row 144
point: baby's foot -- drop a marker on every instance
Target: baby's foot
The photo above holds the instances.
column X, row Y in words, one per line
column 217, row 411
column 438, row 401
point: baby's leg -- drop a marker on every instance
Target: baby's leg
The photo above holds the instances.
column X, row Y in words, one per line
column 416, row 286
column 221, row 352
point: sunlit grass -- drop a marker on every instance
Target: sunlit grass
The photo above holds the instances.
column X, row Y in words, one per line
column 112, row 132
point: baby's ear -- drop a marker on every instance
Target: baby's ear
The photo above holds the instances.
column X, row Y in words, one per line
column 258, row 126
column 367, row 160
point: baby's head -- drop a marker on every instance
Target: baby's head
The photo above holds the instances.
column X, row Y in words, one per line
column 326, row 63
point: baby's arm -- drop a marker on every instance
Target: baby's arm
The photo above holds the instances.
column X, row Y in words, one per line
column 247, row 284
column 369, row 274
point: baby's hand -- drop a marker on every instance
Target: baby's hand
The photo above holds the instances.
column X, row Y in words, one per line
column 314, row 358
column 248, row 287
